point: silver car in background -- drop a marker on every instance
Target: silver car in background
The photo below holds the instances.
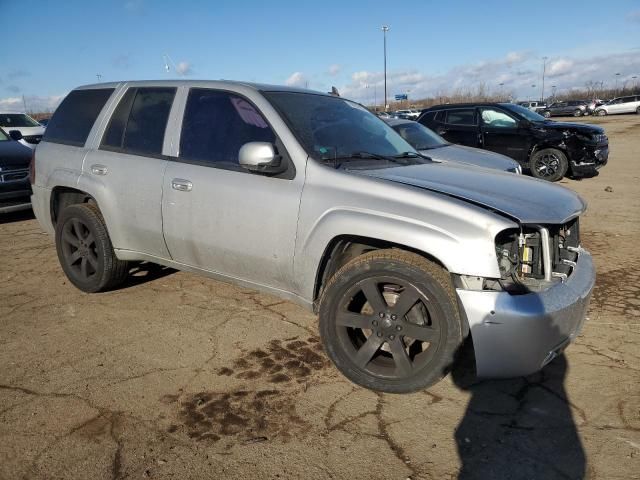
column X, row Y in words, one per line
column 429, row 143
column 312, row 198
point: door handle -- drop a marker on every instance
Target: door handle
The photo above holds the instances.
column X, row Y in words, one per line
column 99, row 169
column 441, row 131
column 181, row 185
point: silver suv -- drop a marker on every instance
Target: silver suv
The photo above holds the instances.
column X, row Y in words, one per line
column 312, row 198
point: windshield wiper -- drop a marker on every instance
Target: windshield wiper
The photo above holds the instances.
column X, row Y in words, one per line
column 361, row 156
column 412, row 155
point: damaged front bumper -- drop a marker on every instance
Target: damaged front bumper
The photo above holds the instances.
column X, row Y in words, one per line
column 591, row 161
column 516, row 335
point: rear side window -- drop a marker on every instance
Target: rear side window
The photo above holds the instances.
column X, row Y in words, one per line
column 139, row 122
column 428, row 118
column 73, row 119
column 461, row 117
column 216, row 124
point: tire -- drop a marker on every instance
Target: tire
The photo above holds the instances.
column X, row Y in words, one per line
column 638, row 110
column 85, row 251
column 549, row 164
column 602, row 113
column 577, row 113
column 367, row 335
column 546, row 114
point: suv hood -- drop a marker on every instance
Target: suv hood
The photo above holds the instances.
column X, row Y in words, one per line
column 572, row 127
column 526, row 199
column 471, row 156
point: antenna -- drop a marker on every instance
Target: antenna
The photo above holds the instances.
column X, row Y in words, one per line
column 167, row 60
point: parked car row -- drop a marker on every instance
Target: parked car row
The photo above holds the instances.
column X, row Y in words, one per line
column 312, row 198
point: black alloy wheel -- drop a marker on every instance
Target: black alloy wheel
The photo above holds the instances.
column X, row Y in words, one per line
column 389, row 321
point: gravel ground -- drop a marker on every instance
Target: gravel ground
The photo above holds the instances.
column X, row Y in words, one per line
column 177, row 376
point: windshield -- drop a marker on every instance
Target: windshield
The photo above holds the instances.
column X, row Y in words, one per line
column 17, row 120
column 419, row 136
column 332, row 127
column 524, row 112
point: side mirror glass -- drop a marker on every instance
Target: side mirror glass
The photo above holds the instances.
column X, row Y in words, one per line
column 15, row 134
column 260, row 157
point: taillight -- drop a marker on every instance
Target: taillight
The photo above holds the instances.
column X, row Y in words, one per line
column 32, row 168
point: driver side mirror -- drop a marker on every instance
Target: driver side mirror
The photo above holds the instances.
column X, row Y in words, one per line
column 15, row 135
column 260, row 157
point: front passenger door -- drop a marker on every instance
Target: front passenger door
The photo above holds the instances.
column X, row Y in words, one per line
column 500, row 133
column 218, row 216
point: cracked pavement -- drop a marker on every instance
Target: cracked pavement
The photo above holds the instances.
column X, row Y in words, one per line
column 178, row 376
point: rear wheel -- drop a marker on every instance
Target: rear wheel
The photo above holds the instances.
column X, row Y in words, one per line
column 389, row 321
column 577, row 112
column 549, row 164
column 546, row 114
column 85, row 251
column 638, row 110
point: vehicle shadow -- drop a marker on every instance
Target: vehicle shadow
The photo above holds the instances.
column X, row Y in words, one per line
column 19, row 216
column 143, row 272
column 519, row 428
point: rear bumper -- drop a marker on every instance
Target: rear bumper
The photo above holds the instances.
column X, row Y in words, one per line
column 516, row 335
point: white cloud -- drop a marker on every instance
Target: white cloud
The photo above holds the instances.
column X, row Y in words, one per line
column 297, row 79
column 34, row 103
column 184, row 68
column 517, row 71
column 334, row 69
column 559, row 67
column 634, row 16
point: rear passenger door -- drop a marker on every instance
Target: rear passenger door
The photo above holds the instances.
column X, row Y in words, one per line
column 218, row 216
column 128, row 167
column 461, row 127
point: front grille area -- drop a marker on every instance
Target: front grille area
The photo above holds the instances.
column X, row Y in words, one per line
column 16, row 175
column 537, row 255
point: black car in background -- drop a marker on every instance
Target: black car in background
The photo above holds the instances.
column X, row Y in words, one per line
column 549, row 149
column 15, row 189
column 577, row 108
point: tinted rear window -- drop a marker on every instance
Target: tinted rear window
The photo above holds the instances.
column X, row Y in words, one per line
column 461, row 117
column 139, row 122
column 73, row 119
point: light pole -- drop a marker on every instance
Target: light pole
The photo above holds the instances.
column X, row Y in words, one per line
column 98, row 76
column 553, row 92
column 634, row 82
column 617, row 76
column 501, row 93
column 385, row 29
column 544, row 70
column 533, row 87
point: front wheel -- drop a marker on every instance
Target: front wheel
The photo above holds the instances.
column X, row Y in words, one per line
column 389, row 321
column 546, row 114
column 577, row 113
column 549, row 164
column 638, row 110
column 85, row 251
column 602, row 113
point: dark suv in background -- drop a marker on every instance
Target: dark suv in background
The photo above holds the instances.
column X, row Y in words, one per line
column 577, row 108
column 548, row 149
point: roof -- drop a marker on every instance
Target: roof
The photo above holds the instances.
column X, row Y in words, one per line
column 212, row 83
column 463, row 105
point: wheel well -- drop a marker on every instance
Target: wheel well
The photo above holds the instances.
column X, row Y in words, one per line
column 62, row 197
column 344, row 248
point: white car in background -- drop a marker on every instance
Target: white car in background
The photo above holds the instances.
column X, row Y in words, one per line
column 630, row 104
column 30, row 130
column 409, row 114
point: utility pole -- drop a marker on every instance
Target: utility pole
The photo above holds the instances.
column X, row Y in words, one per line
column 617, row 76
column 544, row 70
column 24, row 103
column 385, row 29
column 98, row 76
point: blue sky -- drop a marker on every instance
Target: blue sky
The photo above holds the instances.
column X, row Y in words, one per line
column 433, row 47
